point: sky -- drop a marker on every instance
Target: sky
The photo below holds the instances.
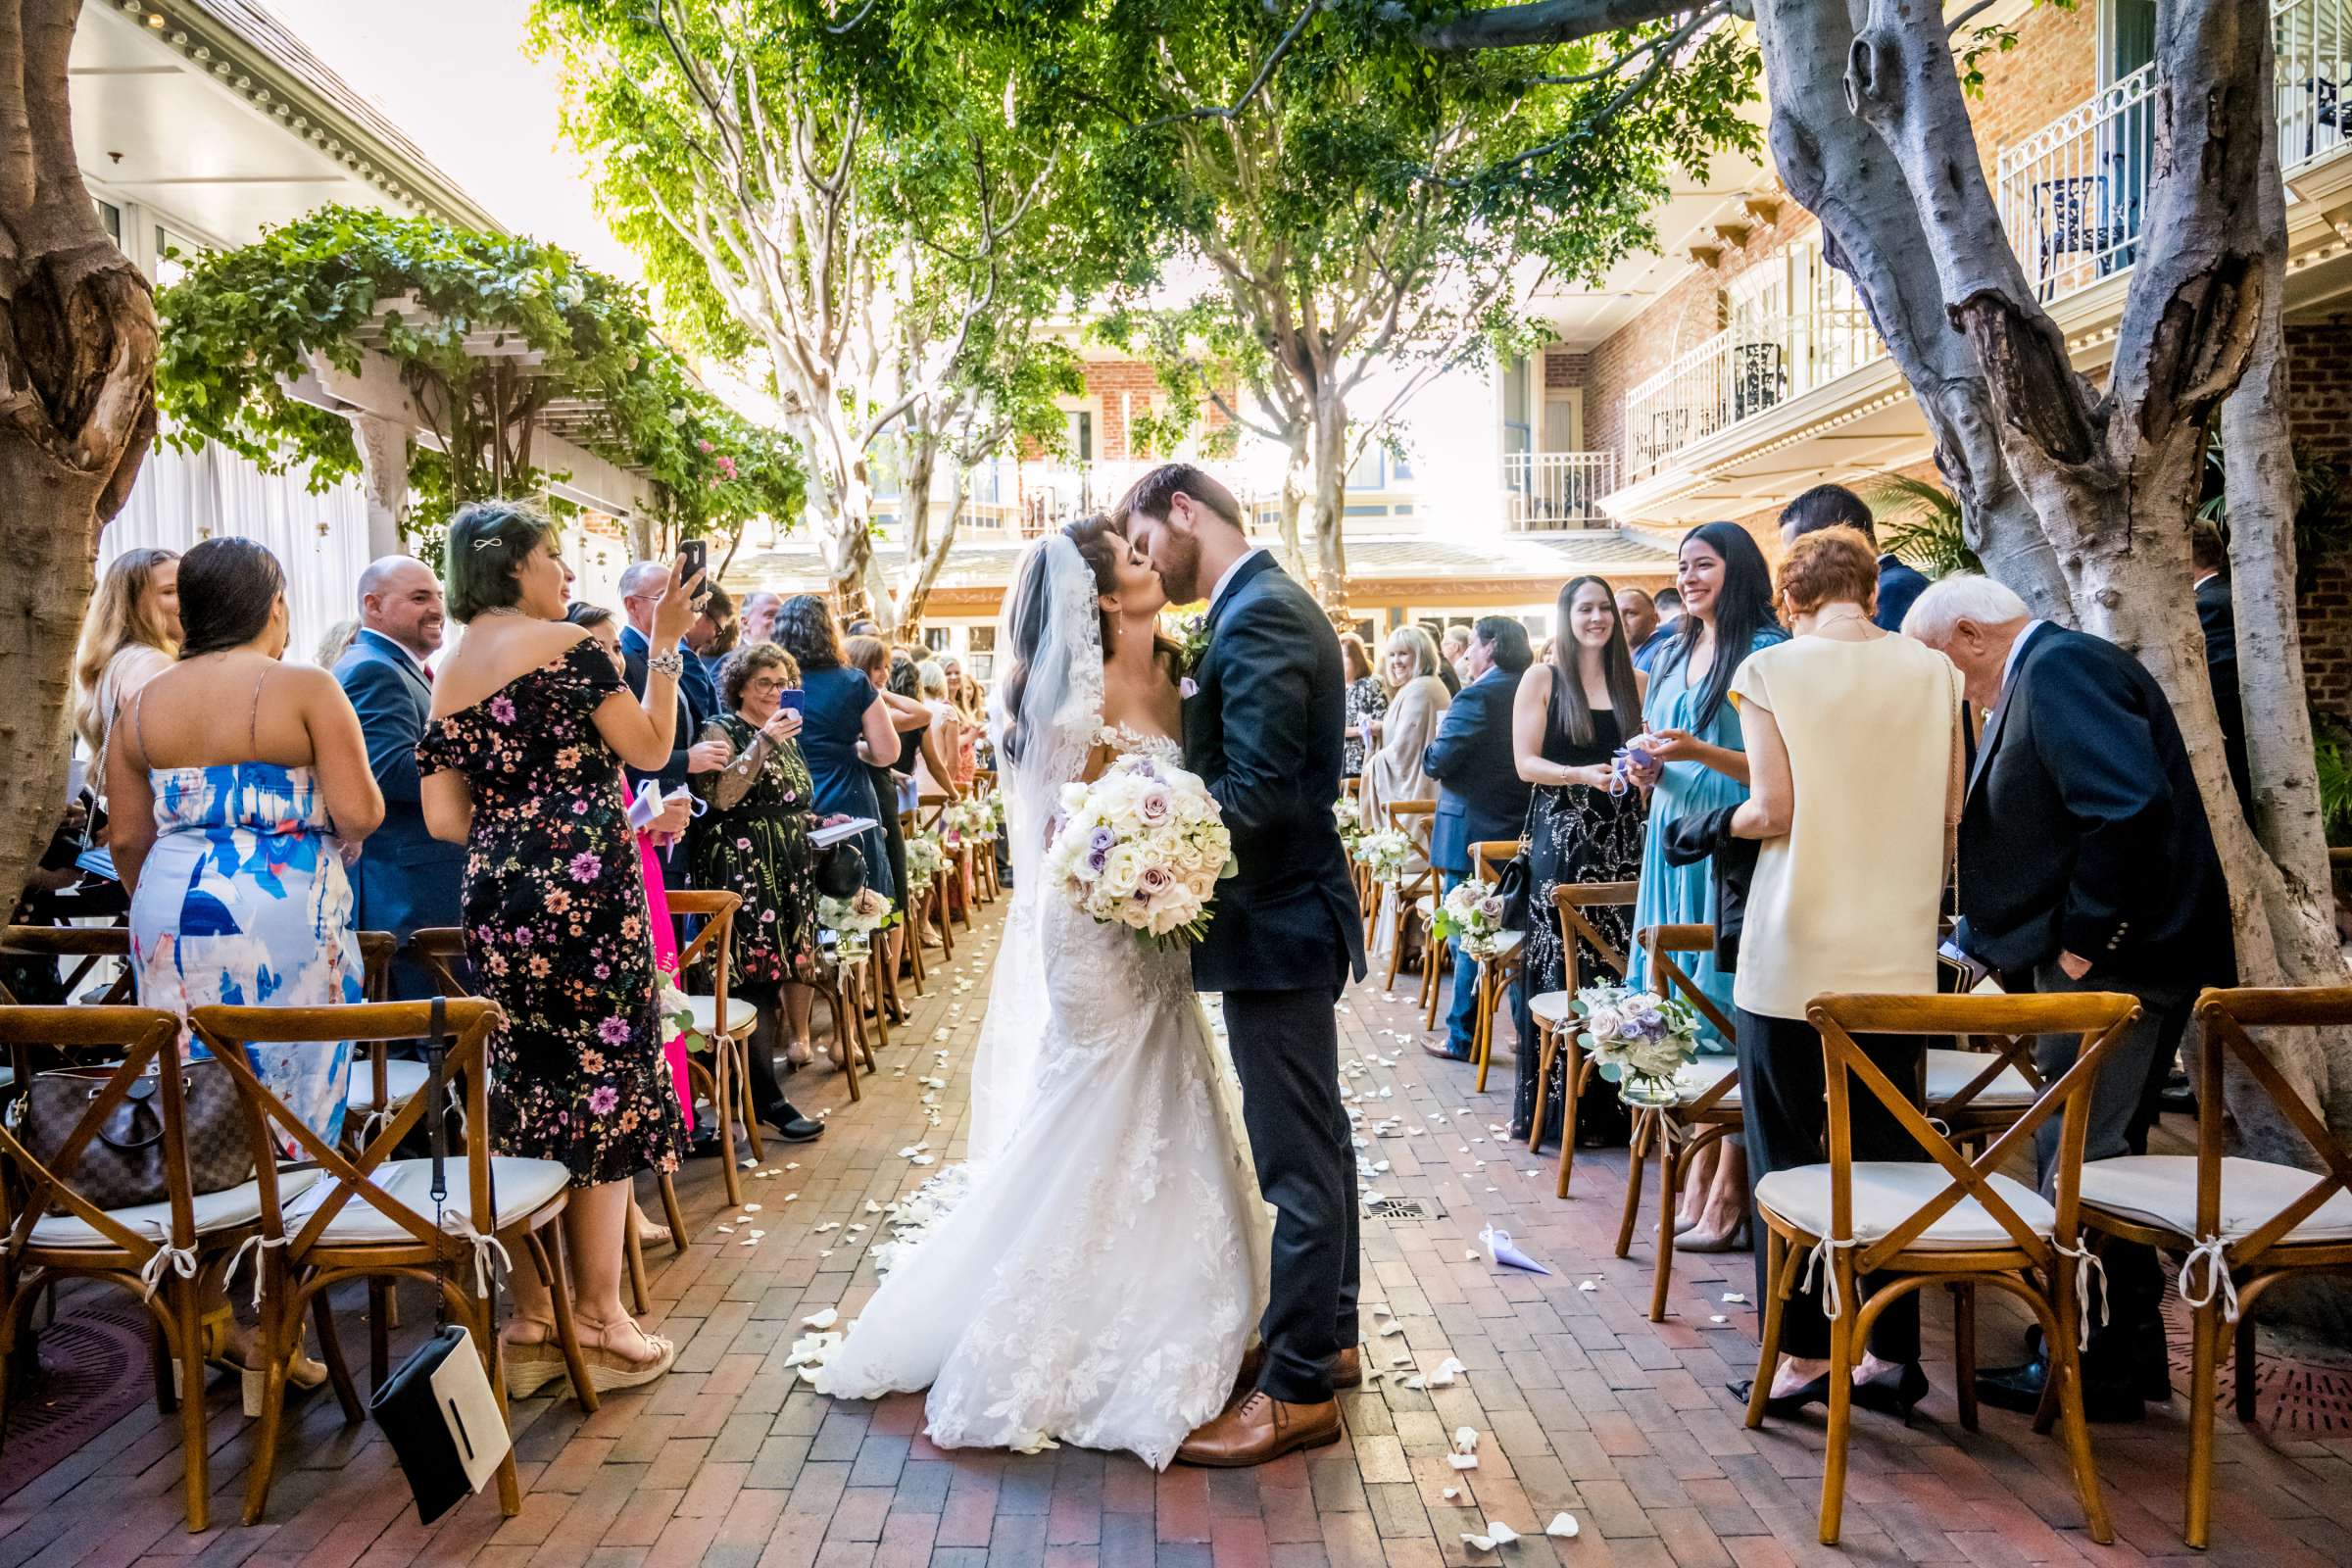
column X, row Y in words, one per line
column 454, row 75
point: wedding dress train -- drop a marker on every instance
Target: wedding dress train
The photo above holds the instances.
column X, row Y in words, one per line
column 1102, row 1269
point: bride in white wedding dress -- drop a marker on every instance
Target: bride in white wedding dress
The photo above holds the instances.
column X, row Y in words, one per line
column 1103, row 1263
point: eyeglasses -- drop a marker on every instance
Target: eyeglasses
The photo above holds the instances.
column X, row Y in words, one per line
column 769, row 687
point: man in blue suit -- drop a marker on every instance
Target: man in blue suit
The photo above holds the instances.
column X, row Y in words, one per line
column 405, row 878
column 1833, row 505
column 1481, row 796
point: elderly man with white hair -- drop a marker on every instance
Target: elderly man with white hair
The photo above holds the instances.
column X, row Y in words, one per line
column 2085, row 865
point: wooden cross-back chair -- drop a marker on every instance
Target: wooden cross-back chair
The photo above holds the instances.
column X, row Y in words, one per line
column 965, row 857
column 441, row 951
column 1708, row 1111
column 726, row 1021
column 1414, row 819
column 1495, row 975
column 984, row 782
column 1949, row 1219
column 85, row 947
column 914, row 915
column 1555, row 1018
column 368, row 1215
column 2244, row 1224
column 152, row 1249
column 950, row 885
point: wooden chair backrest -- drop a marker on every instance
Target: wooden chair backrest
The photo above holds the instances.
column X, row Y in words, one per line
column 1412, row 816
column 2227, row 1015
column 2098, row 1016
column 92, row 944
column 441, row 950
column 228, row 1031
column 714, row 942
column 1489, row 854
column 1669, row 978
column 376, row 949
column 1570, row 900
column 147, row 1038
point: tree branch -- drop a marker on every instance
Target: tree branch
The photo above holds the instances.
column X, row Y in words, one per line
column 1542, row 21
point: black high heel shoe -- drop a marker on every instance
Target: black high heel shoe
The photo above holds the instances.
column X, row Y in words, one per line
column 1785, row 1406
column 1893, row 1396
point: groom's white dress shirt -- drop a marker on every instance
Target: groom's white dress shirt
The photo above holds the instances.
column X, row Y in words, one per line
column 1226, row 581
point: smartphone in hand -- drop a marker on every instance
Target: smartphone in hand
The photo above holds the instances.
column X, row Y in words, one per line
column 795, row 699
column 693, row 555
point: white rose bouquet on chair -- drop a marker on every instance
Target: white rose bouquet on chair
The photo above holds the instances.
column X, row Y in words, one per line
column 1348, row 816
column 678, row 1013
column 924, row 859
column 1143, row 846
column 1472, row 912
column 855, row 920
column 1639, row 1040
column 1385, row 854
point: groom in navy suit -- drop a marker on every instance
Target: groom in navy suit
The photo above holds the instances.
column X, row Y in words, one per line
column 1263, row 727
column 405, row 878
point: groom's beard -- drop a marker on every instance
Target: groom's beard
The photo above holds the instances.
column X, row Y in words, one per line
column 1177, row 560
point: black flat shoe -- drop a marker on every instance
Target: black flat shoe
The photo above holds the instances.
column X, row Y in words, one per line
column 790, row 1125
column 1784, row 1406
column 1893, row 1394
column 2018, row 1388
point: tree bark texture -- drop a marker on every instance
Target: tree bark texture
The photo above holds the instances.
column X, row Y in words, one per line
column 78, row 352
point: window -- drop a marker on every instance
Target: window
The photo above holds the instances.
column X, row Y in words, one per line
column 173, row 254
column 110, row 218
column 1081, row 430
column 1518, row 433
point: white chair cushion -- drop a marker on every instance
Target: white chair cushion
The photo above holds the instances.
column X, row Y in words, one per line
column 402, row 1080
column 1702, row 1073
column 741, row 1015
column 1425, row 905
column 1553, row 1008
column 1887, row 1193
column 518, row 1186
column 225, row 1210
column 2161, row 1190
column 1951, row 1071
column 1508, row 942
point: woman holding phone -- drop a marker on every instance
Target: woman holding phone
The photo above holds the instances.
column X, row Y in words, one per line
column 753, row 841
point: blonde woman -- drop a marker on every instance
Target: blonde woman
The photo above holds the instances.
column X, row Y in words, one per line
column 129, row 636
column 1399, row 740
column 335, row 644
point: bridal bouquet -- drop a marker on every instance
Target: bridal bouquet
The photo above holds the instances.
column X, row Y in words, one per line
column 1472, row 912
column 1143, row 847
column 1385, row 853
column 855, row 920
column 1639, row 1041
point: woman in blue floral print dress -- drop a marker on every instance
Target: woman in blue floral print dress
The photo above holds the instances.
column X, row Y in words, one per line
column 521, row 763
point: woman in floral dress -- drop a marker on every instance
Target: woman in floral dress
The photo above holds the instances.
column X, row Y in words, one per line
column 753, row 841
column 1566, row 727
column 520, row 764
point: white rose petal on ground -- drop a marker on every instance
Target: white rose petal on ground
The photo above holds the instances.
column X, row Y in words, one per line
column 1563, row 1525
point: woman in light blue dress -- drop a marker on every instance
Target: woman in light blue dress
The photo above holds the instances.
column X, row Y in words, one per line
column 1694, row 733
column 240, row 786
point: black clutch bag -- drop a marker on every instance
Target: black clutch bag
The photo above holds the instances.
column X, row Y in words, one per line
column 436, row 1407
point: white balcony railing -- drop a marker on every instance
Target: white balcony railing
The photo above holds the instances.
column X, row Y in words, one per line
column 1739, row 373
column 2073, row 195
column 1542, row 490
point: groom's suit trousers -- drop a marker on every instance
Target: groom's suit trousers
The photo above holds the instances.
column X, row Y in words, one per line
column 1286, row 1050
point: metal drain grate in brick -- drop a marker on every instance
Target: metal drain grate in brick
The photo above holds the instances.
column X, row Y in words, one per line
column 1407, row 1209
column 2291, row 1392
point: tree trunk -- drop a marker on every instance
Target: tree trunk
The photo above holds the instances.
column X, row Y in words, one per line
column 1297, row 503
column 77, row 351
column 922, row 572
column 1326, row 508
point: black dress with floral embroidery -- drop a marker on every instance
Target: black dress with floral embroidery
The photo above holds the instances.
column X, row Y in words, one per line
column 757, row 848
column 555, row 925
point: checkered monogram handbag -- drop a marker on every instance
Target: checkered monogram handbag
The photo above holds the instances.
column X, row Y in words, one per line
column 123, row 1164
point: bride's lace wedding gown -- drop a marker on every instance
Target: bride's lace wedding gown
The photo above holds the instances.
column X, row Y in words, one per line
column 1101, row 1274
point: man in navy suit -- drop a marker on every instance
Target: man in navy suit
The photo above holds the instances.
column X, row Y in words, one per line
column 1833, row 505
column 1263, row 728
column 2086, row 863
column 405, row 877
column 1480, row 797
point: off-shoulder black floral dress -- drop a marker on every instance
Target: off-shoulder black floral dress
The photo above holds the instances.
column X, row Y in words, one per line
column 555, row 925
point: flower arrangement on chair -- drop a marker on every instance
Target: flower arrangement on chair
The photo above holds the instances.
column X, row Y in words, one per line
column 1384, row 854
column 1472, row 912
column 855, row 920
column 1639, row 1041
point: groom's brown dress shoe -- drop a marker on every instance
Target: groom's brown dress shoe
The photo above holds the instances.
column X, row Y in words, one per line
column 1260, row 1429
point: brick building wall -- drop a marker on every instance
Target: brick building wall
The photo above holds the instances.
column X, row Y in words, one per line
column 2319, row 356
column 1116, row 386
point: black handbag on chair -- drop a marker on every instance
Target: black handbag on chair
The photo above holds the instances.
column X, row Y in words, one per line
column 436, row 1407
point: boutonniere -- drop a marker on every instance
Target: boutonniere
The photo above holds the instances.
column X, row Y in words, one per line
column 1192, row 645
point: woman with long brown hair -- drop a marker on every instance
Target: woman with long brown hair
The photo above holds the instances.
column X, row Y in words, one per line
column 130, row 635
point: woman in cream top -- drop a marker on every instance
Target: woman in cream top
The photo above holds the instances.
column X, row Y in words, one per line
column 1853, row 743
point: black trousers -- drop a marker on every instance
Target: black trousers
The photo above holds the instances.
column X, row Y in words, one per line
column 1780, row 1087
column 1286, row 1050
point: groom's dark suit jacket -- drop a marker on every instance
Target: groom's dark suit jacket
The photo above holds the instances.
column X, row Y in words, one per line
column 1264, row 727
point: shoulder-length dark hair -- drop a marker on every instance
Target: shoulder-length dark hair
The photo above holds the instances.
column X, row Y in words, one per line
column 228, row 588
column 482, row 561
column 1743, row 615
column 1616, row 668
column 806, row 629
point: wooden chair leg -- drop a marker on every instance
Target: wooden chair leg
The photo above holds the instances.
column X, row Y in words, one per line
column 1964, row 1350
column 379, row 1330
column 845, row 1035
column 2204, row 1374
column 1547, row 1051
column 272, row 1416
column 1572, row 1095
column 2066, row 1372
column 1637, row 1151
column 1395, row 948
column 331, row 1351
column 546, row 1247
column 159, row 1349
column 1775, row 1305
column 1672, row 1163
column 2248, row 1358
column 195, row 1458
column 633, row 1246
column 722, row 1112
column 1437, row 962
column 741, row 1050
column 672, row 1212
column 494, row 1356
column 1841, row 1399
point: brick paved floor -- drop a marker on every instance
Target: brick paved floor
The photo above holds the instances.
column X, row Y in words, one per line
column 1582, row 1405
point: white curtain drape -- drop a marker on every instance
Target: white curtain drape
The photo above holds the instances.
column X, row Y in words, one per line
column 320, row 540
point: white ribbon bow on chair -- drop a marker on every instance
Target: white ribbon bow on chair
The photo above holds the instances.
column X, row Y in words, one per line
column 256, row 1245
column 1821, row 1257
column 484, row 1248
column 2211, row 1251
column 2087, row 1265
column 179, row 1260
